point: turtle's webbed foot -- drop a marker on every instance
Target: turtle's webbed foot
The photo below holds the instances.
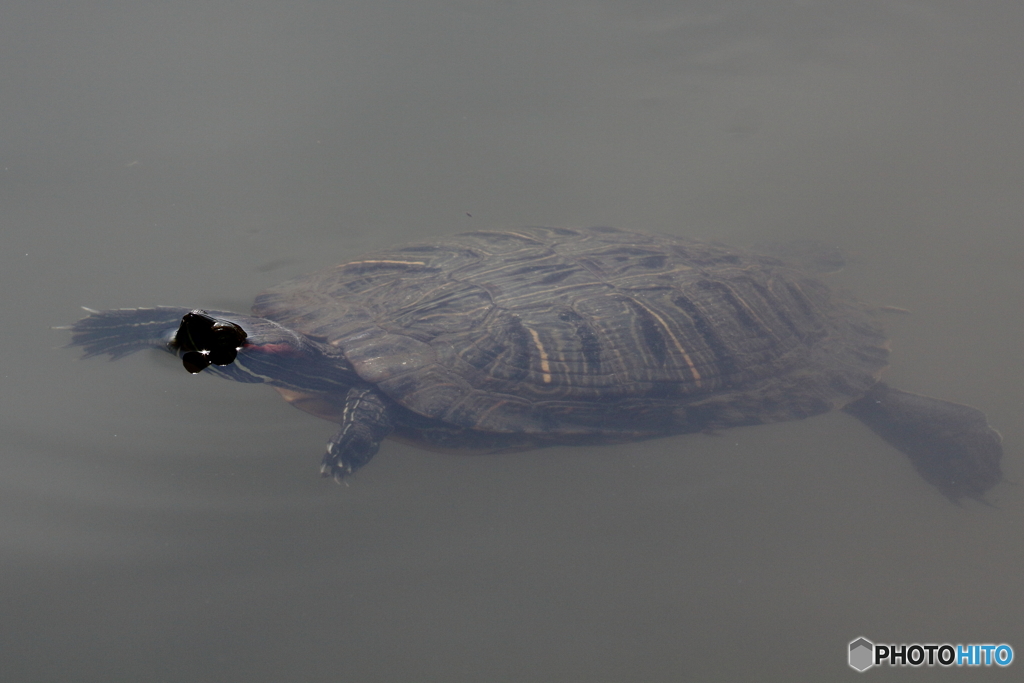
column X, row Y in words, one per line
column 346, row 454
column 365, row 423
column 950, row 445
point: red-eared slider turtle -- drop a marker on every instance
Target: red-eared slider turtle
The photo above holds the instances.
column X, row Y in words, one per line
column 499, row 341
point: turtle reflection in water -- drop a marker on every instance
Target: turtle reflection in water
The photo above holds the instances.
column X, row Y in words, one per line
column 519, row 339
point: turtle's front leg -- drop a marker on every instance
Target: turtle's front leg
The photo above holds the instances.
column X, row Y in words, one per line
column 365, row 422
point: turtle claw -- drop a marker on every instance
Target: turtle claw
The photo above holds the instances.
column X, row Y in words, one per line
column 346, row 453
column 334, row 470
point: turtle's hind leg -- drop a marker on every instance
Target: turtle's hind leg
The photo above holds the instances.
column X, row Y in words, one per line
column 950, row 445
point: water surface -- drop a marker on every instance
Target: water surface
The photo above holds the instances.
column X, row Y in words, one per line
column 161, row 527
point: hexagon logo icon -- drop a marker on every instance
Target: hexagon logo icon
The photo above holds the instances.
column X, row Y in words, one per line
column 861, row 654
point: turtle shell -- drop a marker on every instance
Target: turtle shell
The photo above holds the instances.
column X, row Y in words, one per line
column 599, row 331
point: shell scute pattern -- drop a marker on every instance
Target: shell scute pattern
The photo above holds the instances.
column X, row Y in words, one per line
column 591, row 330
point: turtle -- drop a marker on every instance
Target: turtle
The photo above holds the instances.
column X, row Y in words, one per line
column 507, row 340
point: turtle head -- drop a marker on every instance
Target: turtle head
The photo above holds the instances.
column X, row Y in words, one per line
column 250, row 349
column 203, row 340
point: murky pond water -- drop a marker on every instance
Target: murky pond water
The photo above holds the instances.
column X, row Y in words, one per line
column 162, row 527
